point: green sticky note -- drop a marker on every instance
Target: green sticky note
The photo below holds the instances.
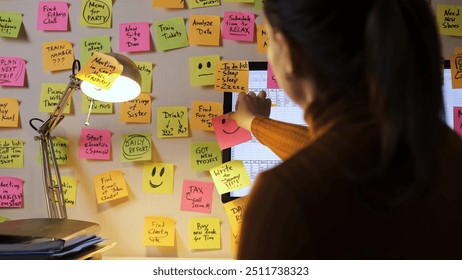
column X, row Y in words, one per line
column 136, row 147
column 61, row 149
column 172, row 122
column 11, row 153
column 259, row 4
column 10, row 24
column 50, row 96
column 205, row 155
column 97, row 107
column 89, row 45
column 96, row 13
column 146, row 75
column 202, row 4
column 202, row 70
column 171, row 33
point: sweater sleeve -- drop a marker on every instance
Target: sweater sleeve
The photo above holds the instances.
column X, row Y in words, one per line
column 282, row 138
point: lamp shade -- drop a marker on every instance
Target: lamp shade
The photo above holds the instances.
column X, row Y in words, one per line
column 124, row 88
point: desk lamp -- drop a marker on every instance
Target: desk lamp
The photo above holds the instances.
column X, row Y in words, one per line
column 124, row 87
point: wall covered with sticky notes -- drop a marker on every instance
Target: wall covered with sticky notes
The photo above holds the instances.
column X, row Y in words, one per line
column 141, row 169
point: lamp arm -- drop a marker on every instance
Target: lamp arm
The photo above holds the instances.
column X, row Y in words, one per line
column 54, row 193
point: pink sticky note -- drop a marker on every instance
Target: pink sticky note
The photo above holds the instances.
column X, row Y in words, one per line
column 95, row 144
column 53, row 16
column 197, row 196
column 239, row 26
column 458, row 120
column 134, row 37
column 271, row 81
column 11, row 190
column 228, row 133
column 12, row 71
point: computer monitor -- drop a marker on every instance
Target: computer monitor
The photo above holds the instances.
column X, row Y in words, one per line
column 257, row 157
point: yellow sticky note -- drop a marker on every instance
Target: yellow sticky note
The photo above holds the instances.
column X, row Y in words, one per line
column 97, row 107
column 456, row 70
column 202, row 70
column 109, row 186
column 159, row 231
column 137, row 110
column 262, row 39
column 50, row 96
column 230, row 176
column 205, row 155
column 96, row 13
column 204, row 233
column 61, row 149
column 57, row 55
column 101, row 70
column 204, row 30
column 69, row 188
column 11, row 153
column 136, row 147
column 9, row 112
column 232, row 75
column 234, row 211
column 172, row 122
column 234, row 242
column 202, row 113
column 146, row 75
column 175, row 4
column 449, row 19
column 158, row 178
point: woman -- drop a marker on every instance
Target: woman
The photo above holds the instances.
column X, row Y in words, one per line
column 375, row 174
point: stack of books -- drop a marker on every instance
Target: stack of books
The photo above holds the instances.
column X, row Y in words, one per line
column 46, row 238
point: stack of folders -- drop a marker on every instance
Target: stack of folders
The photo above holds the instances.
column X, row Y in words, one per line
column 46, row 238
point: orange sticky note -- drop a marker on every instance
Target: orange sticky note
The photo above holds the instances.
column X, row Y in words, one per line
column 57, row 55
column 9, row 112
column 262, row 39
column 456, row 70
column 137, row 110
column 232, row 75
column 202, row 113
column 175, row 4
column 110, row 186
column 159, row 231
column 204, row 30
column 91, row 71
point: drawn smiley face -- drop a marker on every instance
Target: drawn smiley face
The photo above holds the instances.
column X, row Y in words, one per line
column 229, row 126
column 153, row 176
column 202, row 70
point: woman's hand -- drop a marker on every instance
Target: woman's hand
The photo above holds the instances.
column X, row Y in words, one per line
column 248, row 106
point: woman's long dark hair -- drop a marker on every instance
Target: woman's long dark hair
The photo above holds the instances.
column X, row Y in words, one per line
column 385, row 51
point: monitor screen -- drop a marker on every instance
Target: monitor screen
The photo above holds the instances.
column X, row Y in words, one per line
column 257, row 157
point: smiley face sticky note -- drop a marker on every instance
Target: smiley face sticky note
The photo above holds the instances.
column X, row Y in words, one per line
column 228, row 133
column 202, row 70
column 158, row 178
